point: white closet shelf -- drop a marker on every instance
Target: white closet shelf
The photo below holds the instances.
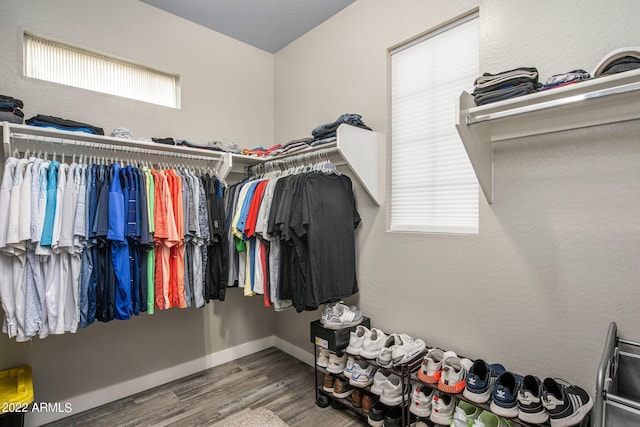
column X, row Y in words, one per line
column 599, row 101
column 358, row 148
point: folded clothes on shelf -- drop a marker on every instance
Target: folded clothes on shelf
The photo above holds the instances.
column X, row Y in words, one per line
column 10, row 109
column 45, row 121
column 505, row 85
column 563, row 79
column 323, row 129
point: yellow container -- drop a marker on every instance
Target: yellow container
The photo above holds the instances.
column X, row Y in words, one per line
column 16, row 389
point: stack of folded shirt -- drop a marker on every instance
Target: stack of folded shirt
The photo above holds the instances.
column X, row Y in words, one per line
column 292, row 146
column 43, row 121
column 326, row 132
column 260, row 151
column 10, row 110
column 558, row 80
column 505, row 85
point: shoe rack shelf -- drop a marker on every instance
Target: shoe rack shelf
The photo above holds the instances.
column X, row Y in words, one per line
column 598, row 101
column 404, row 371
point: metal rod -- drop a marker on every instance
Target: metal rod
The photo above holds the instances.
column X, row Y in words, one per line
column 633, row 343
column 125, row 149
column 601, row 93
column 623, row 401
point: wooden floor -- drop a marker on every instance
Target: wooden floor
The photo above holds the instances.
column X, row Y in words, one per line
column 268, row 379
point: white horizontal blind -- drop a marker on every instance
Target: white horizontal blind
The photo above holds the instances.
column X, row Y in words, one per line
column 68, row 65
column 433, row 186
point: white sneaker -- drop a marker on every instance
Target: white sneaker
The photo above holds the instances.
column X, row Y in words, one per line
column 323, row 358
column 356, row 340
column 442, row 407
column 489, row 419
column 349, row 367
column 421, row 400
column 340, row 316
column 337, row 363
column 392, row 390
column 363, row 374
column 465, row 414
column 385, row 358
column 408, row 349
column 373, row 343
column 431, row 368
column 452, row 379
column 378, row 380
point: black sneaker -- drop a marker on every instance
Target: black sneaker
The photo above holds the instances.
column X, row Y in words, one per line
column 393, row 418
column 530, row 408
column 377, row 413
column 323, row 400
column 567, row 404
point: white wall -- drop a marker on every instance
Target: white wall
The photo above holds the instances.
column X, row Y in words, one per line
column 227, row 94
column 556, row 257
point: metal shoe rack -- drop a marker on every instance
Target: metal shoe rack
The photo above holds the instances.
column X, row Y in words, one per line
column 404, row 371
column 617, row 400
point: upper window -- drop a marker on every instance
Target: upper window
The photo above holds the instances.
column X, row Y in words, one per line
column 433, row 186
column 69, row 65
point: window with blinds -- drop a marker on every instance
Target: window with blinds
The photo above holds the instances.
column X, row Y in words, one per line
column 69, row 65
column 433, row 186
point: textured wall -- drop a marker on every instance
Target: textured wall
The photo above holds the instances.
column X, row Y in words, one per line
column 225, row 85
column 556, row 257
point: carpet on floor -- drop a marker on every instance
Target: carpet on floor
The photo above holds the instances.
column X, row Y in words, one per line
column 260, row 417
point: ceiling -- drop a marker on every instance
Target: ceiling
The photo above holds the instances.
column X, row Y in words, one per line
column 266, row 24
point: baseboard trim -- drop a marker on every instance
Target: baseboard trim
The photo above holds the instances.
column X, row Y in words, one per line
column 93, row 399
column 294, row 351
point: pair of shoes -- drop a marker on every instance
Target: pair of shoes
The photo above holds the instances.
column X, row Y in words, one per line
column 442, row 408
column 368, row 400
column 390, row 388
column 421, row 397
column 337, row 316
column 323, row 400
column 453, row 374
column 366, row 343
column 327, row 383
column 489, row 419
column 362, row 373
column 399, row 349
column 431, row 368
column 465, row 414
column 481, row 379
column 383, row 415
column 566, row 404
column 323, row 358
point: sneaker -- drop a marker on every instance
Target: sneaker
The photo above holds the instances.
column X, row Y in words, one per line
column 378, row 380
column 373, row 343
column 377, row 413
column 394, row 391
column 442, row 407
column 407, row 350
column 337, row 363
column 452, row 379
column 488, row 419
column 323, row 400
column 566, row 404
column 530, row 407
column 504, row 396
column 349, row 366
column 340, row 316
column 325, row 312
column 341, row 388
column 356, row 340
column 327, row 383
column 421, row 400
column 431, row 367
column 385, row 358
column 323, row 358
column 480, row 380
column 465, row 414
column 363, row 374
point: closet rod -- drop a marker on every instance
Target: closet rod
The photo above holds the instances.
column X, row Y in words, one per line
column 108, row 147
column 298, row 157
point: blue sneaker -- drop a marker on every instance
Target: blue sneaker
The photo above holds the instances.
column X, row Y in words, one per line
column 480, row 380
column 504, row 397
